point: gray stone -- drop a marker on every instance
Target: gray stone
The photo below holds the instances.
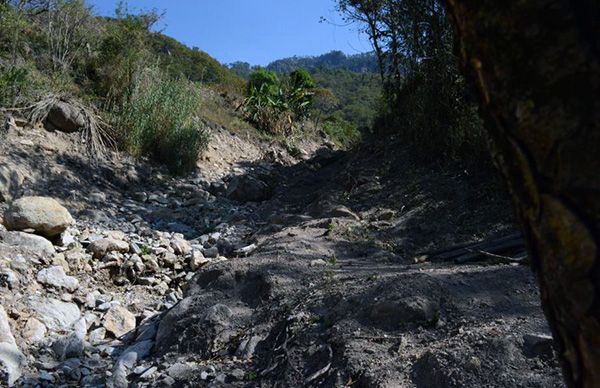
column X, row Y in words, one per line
column 247, row 348
column 147, row 331
column 44, row 215
column 538, row 345
column 64, row 117
column 246, row 188
column 53, row 313
column 409, row 310
column 180, row 371
column 211, row 253
column 100, row 248
column 11, row 181
column 148, row 373
column 56, row 277
column 71, row 345
column 128, row 361
column 8, row 278
column 28, row 242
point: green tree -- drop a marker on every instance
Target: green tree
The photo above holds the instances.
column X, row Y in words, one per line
column 301, row 79
column 263, row 79
column 425, row 99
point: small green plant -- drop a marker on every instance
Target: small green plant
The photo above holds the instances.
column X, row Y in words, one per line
column 145, row 250
column 251, row 376
column 332, row 260
column 158, row 120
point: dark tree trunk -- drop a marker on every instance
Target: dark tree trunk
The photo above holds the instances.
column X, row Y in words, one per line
column 536, row 65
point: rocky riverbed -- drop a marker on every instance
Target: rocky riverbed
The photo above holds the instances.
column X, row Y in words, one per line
column 261, row 269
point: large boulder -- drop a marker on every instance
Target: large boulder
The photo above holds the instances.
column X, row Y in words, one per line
column 64, row 117
column 44, row 215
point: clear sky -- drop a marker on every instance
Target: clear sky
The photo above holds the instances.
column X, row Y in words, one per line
column 254, row 31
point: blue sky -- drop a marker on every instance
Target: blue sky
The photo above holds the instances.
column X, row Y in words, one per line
column 254, row 31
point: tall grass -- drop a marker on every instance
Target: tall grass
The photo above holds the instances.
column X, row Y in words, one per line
column 157, row 119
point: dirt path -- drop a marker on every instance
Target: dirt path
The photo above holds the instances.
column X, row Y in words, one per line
column 331, row 296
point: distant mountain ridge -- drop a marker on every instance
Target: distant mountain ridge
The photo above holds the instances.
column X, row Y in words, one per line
column 334, row 60
column 359, row 63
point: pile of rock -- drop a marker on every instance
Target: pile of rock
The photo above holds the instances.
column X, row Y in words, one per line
column 83, row 301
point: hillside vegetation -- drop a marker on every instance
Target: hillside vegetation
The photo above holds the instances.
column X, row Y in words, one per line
column 145, row 86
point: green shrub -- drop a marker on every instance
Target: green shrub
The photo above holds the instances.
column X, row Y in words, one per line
column 13, row 82
column 275, row 106
column 269, row 110
column 158, row 120
column 341, row 132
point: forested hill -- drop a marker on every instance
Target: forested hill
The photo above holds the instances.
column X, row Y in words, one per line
column 193, row 63
column 360, row 63
column 334, row 60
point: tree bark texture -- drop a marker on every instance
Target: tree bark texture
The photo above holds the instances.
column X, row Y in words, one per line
column 536, row 65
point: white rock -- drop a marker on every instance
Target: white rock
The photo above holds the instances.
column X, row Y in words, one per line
column 56, row 277
column 5, row 332
column 55, row 314
column 11, row 362
column 11, row 359
column 97, row 336
column 181, row 246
